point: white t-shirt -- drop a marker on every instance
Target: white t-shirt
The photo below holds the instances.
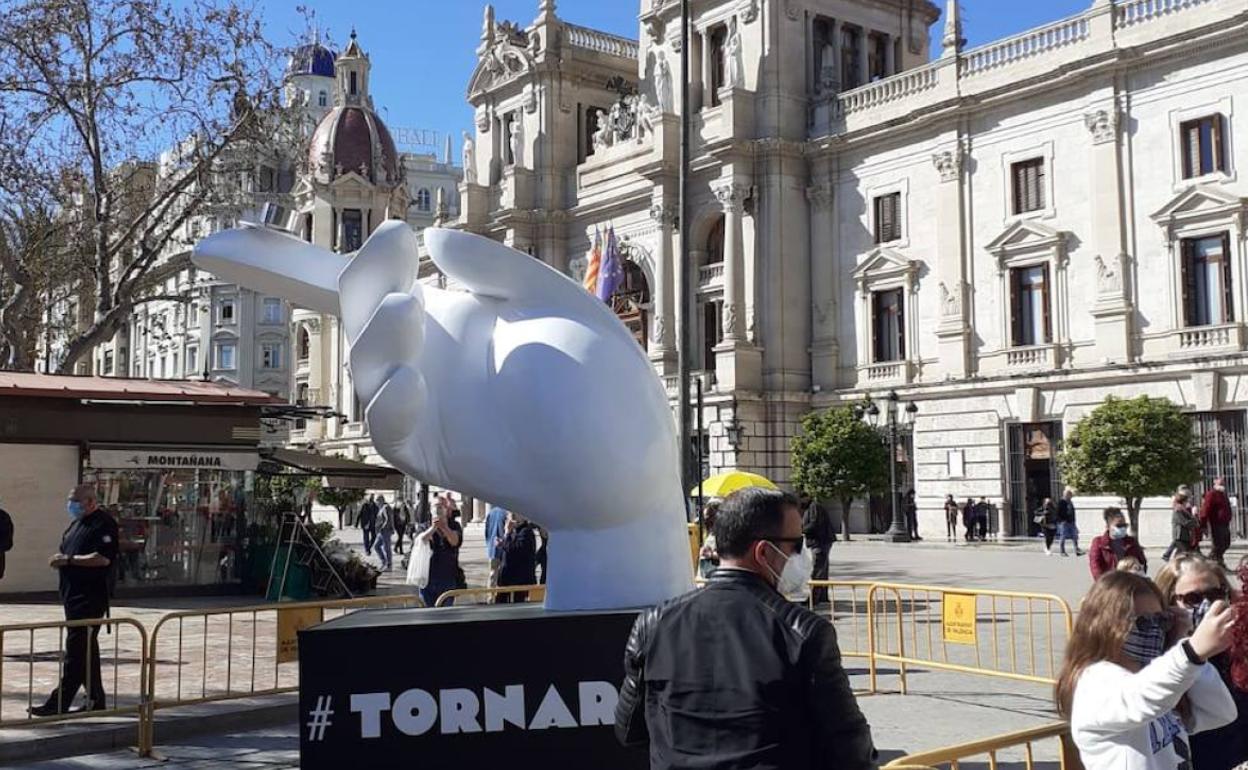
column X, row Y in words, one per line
column 1125, row 721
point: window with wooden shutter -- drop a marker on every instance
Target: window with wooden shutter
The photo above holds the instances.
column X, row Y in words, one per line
column 1207, row 289
column 888, row 218
column 1030, row 320
column 1028, row 180
column 1204, row 146
column 1228, row 301
column 888, row 326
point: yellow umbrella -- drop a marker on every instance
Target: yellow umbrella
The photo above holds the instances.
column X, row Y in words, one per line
column 724, row 484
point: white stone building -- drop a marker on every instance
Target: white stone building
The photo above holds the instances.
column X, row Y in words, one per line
column 1003, row 235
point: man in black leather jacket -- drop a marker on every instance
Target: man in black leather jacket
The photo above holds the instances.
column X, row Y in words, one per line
column 734, row 675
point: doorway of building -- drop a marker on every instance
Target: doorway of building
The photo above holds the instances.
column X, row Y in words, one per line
column 1033, row 472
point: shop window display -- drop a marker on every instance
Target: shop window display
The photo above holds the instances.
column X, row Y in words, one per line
column 178, row 526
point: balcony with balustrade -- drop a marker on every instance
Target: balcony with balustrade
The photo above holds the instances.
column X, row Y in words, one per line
column 1201, row 341
column 885, row 373
column 1071, row 42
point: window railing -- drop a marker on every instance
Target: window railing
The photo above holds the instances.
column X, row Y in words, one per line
column 1031, row 357
column 711, row 275
column 887, row 371
column 1208, row 337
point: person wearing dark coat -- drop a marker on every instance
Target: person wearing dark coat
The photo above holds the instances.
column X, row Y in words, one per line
column 820, row 535
column 368, row 522
column 774, row 695
column 518, row 547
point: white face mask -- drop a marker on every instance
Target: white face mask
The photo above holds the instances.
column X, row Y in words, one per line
column 797, row 568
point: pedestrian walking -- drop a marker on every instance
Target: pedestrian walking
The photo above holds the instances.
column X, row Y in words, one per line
column 778, row 692
column 820, row 534
column 444, row 535
column 1192, row 584
column 518, row 548
column 1114, row 545
column 1067, row 522
column 1134, row 697
column 384, row 524
column 968, row 518
column 402, row 520
column 1184, row 526
column 1046, row 518
column 495, row 523
column 1215, row 516
column 84, row 563
column 912, row 516
column 368, row 522
column 951, row 518
column 6, row 537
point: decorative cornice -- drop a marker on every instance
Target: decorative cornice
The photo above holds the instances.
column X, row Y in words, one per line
column 820, row 195
column 949, row 164
column 1103, row 124
column 731, row 194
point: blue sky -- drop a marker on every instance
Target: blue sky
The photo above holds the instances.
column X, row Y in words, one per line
column 423, row 51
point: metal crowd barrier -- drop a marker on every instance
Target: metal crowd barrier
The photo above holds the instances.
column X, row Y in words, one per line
column 850, row 612
column 1067, row 756
column 190, row 662
column 28, row 646
column 971, row 631
column 529, row 593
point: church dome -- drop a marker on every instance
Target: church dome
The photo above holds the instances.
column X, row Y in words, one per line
column 353, row 139
column 311, row 59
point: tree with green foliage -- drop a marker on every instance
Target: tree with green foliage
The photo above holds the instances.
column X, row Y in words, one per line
column 284, row 488
column 341, row 498
column 1133, row 448
column 839, row 457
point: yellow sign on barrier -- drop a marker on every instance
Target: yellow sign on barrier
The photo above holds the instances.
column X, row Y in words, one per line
column 958, row 618
column 289, row 623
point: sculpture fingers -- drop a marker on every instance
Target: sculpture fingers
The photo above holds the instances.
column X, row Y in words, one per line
column 392, row 337
column 397, row 416
column 488, row 268
column 387, row 263
column 275, row 263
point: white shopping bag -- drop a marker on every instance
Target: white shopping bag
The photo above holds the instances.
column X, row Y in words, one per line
column 418, row 564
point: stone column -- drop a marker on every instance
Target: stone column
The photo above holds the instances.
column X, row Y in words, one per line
column 824, row 350
column 662, row 343
column 953, row 331
column 890, row 60
column 316, row 377
column 1112, row 309
column 731, row 195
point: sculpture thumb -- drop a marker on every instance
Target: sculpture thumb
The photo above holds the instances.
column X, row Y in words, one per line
column 274, row 263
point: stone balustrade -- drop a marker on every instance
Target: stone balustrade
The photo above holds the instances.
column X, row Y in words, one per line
column 600, row 42
column 1132, row 12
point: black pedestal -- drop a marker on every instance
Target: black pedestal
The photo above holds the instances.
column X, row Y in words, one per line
column 470, row 687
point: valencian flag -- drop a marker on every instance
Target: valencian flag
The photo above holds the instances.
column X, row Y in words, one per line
column 611, row 274
column 595, row 262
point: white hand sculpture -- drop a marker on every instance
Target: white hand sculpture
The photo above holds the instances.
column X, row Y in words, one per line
column 524, row 390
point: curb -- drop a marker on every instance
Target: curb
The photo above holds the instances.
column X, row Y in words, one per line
column 96, row 736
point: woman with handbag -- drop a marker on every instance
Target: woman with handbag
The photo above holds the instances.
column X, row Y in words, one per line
column 444, row 537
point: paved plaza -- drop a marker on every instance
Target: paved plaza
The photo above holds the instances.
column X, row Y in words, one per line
column 942, row 707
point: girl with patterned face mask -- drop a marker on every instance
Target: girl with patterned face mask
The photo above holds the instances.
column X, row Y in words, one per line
column 1192, row 585
column 1135, row 685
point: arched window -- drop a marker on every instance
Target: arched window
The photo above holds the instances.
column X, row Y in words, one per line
column 322, row 99
column 423, row 201
column 352, row 88
column 631, row 302
column 305, row 343
column 715, row 243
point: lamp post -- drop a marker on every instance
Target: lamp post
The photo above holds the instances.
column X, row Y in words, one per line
column 899, row 532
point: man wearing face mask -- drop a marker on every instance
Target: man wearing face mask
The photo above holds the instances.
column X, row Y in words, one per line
column 734, row 674
column 88, row 550
column 1115, row 544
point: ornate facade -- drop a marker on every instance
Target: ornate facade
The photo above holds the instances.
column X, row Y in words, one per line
column 1002, row 235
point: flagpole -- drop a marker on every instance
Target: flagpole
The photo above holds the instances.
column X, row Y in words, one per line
column 689, row 473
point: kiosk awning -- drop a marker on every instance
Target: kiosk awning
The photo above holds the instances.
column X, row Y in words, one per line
column 339, row 472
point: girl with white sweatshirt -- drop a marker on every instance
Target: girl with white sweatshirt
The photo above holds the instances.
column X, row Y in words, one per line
column 1135, row 682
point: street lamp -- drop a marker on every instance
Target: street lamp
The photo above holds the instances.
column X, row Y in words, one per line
column 899, row 532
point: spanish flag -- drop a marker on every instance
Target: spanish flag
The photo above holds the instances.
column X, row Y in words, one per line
column 595, row 263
